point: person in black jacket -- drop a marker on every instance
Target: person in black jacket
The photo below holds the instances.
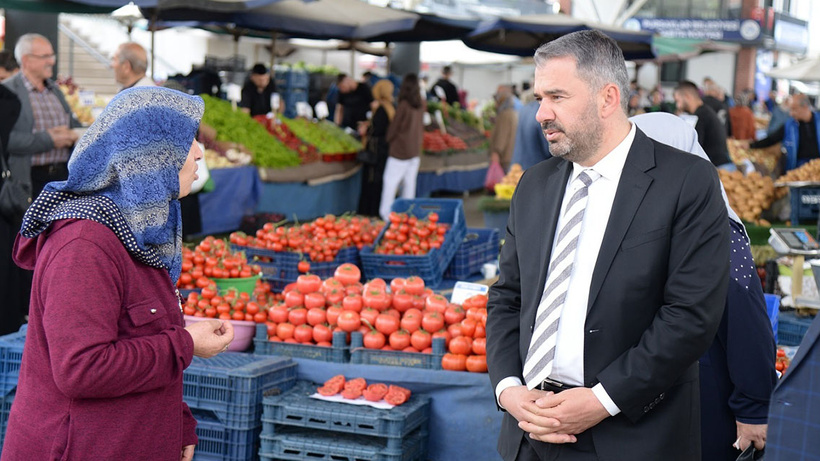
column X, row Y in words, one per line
column 14, row 295
column 257, row 91
column 449, row 90
column 711, row 132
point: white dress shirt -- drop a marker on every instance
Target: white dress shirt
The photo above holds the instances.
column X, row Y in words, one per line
column 568, row 364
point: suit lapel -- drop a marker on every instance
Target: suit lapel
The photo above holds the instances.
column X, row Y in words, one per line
column 632, row 187
column 555, row 184
column 806, row 345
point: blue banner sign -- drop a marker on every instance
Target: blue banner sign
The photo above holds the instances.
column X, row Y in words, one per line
column 729, row 30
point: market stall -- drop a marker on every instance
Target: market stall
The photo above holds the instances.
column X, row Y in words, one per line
column 236, row 194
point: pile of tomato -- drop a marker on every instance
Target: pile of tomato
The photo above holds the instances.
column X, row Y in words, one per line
column 409, row 235
column 319, row 240
column 212, row 259
column 406, row 317
column 232, row 304
column 782, row 362
column 355, row 388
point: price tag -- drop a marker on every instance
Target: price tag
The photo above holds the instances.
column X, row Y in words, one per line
column 321, row 110
column 464, row 290
column 234, row 92
column 274, row 101
column 86, row 98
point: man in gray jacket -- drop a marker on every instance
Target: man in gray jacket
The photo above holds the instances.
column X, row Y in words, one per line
column 41, row 140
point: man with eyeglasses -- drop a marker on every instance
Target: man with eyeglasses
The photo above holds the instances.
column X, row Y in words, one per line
column 40, row 142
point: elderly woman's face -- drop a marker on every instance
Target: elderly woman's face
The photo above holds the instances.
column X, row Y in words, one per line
column 187, row 175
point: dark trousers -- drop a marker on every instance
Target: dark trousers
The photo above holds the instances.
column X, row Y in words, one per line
column 15, row 283
column 44, row 174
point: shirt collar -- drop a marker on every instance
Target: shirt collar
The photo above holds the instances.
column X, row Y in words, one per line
column 30, row 87
column 612, row 164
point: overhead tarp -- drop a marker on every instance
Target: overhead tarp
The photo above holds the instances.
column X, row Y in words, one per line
column 681, row 49
column 522, row 35
column 208, row 5
column 320, row 19
column 55, row 6
column 431, row 28
column 804, row 71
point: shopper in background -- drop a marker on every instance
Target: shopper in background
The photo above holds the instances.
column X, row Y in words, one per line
column 715, row 97
column 502, row 138
column 405, row 137
column 742, row 119
column 130, row 62
column 353, row 102
column 8, row 65
column 257, row 90
column 737, row 373
column 531, row 145
column 800, row 134
column 444, row 89
column 658, row 104
column 711, row 132
column 41, row 140
column 14, row 282
column 376, row 148
column 106, row 346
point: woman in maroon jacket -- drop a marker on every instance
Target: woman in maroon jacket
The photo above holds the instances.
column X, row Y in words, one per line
column 404, row 135
column 101, row 376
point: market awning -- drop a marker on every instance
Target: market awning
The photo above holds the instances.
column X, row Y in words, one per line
column 431, row 28
column 522, row 35
column 804, row 71
column 681, row 49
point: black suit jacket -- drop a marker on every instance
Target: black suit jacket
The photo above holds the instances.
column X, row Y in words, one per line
column 656, row 299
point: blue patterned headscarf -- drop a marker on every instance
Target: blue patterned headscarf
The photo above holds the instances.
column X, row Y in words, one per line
column 124, row 174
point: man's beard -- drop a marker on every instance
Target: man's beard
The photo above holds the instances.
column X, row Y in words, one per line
column 579, row 144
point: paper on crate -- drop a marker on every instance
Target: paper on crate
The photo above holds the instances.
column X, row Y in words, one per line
column 464, row 290
column 381, row 404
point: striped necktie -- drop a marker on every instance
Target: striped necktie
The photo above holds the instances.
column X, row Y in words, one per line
column 538, row 364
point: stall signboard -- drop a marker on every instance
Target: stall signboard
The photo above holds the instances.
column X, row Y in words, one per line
column 745, row 31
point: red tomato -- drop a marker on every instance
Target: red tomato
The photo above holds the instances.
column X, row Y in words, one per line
column 387, row 324
column 316, row 315
column 278, row 313
column 436, row 303
column 411, row 322
column 454, row 330
column 399, row 339
column 357, row 288
column 414, row 285
column 297, row 316
column 396, row 285
column 443, row 334
column 331, row 283
column 374, row 340
column 402, row 301
column 333, row 314
column 480, row 331
column 260, row 317
column 285, row 330
column 335, row 297
column 356, row 383
column 327, row 391
column 376, row 283
column 477, row 363
column 303, row 267
column 395, row 398
column 294, row 298
column 308, row 283
column 314, row 300
column 348, row 274
column 303, row 333
column 352, row 302
column 393, row 312
column 421, row 339
column 375, row 392
column 432, row 321
column 461, row 345
column 468, row 327
column 349, row 321
column 322, row 333
column 352, row 394
column 454, row 314
column 369, row 315
column 454, row 362
column 480, row 346
column 377, row 299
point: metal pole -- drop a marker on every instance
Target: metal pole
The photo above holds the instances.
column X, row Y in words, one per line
column 273, row 36
column 352, row 59
column 153, row 33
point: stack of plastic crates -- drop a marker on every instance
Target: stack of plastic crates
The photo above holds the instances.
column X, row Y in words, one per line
column 11, row 355
column 296, row 426
column 225, row 395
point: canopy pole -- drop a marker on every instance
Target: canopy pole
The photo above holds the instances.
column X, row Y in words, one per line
column 353, row 59
column 273, row 36
column 153, row 32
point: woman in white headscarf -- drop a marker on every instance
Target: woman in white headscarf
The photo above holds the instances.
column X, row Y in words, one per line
column 737, row 373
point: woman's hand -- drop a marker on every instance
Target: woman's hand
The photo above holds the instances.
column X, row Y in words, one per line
column 187, row 453
column 210, row 336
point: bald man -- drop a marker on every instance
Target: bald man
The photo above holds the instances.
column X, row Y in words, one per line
column 799, row 135
column 130, row 63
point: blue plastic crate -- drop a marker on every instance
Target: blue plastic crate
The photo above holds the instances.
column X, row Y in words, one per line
column 431, row 266
column 283, row 265
column 479, row 246
column 231, row 385
column 218, row 442
column 301, row 444
column 11, row 356
column 5, row 410
column 805, row 202
column 773, row 309
column 362, row 355
column 296, row 408
column 290, row 99
column 791, row 328
column 291, row 79
column 337, row 353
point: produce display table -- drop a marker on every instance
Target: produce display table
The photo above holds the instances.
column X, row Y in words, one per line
column 236, row 194
column 307, row 200
column 460, row 180
column 464, row 421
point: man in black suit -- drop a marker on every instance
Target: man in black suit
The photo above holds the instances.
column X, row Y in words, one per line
column 611, row 372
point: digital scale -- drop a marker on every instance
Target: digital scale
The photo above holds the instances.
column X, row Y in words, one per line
column 798, row 244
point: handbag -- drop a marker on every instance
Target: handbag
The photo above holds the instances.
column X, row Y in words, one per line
column 15, row 195
column 751, row 454
column 370, row 154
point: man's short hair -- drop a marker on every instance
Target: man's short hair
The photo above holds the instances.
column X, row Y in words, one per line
column 259, row 69
column 340, row 78
column 688, row 87
column 24, row 45
column 801, row 99
column 447, row 70
column 136, row 56
column 7, row 61
column 598, row 59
